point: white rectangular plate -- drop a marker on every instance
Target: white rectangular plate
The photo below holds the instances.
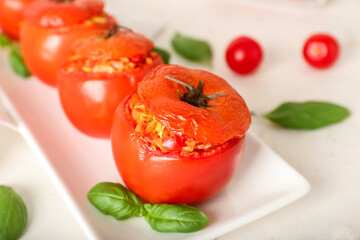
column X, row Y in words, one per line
column 75, row 163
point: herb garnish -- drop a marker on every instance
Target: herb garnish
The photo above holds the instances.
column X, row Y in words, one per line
column 116, row 200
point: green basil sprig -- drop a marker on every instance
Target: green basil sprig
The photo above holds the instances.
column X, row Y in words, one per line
column 15, row 57
column 192, row 49
column 17, row 63
column 13, row 214
column 116, row 200
column 4, row 41
column 307, row 115
column 175, row 218
column 165, row 55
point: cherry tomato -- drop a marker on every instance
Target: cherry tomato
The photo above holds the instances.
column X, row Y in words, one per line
column 50, row 28
column 243, row 55
column 93, row 83
column 171, row 146
column 11, row 15
column 321, row 50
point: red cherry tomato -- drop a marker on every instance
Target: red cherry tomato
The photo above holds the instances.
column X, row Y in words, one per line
column 11, row 15
column 243, row 55
column 170, row 151
column 93, row 83
column 321, row 50
column 50, row 28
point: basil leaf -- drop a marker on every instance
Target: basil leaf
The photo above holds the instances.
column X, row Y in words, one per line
column 192, row 49
column 175, row 218
column 165, row 55
column 17, row 63
column 116, row 200
column 4, row 41
column 307, row 115
column 13, row 214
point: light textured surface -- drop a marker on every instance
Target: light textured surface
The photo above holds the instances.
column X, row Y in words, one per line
column 328, row 158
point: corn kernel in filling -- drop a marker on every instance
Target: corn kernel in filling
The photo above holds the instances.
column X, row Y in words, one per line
column 101, row 19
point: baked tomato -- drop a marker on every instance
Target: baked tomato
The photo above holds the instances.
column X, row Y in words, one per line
column 102, row 71
column 176, row 144
column 11, row 15
column 51, row 27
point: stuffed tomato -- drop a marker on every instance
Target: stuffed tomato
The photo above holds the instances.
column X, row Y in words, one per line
column 180, row 137
column 51, row 27
column 11, row 16
column 102, row 71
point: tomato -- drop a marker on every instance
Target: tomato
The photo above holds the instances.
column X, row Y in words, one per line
column 171, row 146
column 321, row 50
column 11, row 15
column 93, row 83
column 243, row 55
column 50, row 28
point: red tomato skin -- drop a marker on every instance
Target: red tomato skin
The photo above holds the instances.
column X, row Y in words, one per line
column 328, row 47
column 243, row 55
column 11, row 16
column 228, row 117
column 46, row 50
column 170, row 178
column 89, row 101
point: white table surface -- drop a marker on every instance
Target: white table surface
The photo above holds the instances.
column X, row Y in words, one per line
column 328, row 158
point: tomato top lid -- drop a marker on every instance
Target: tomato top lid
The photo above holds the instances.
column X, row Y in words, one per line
column 62, row 13
column 120, row 43
column 226, row 117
